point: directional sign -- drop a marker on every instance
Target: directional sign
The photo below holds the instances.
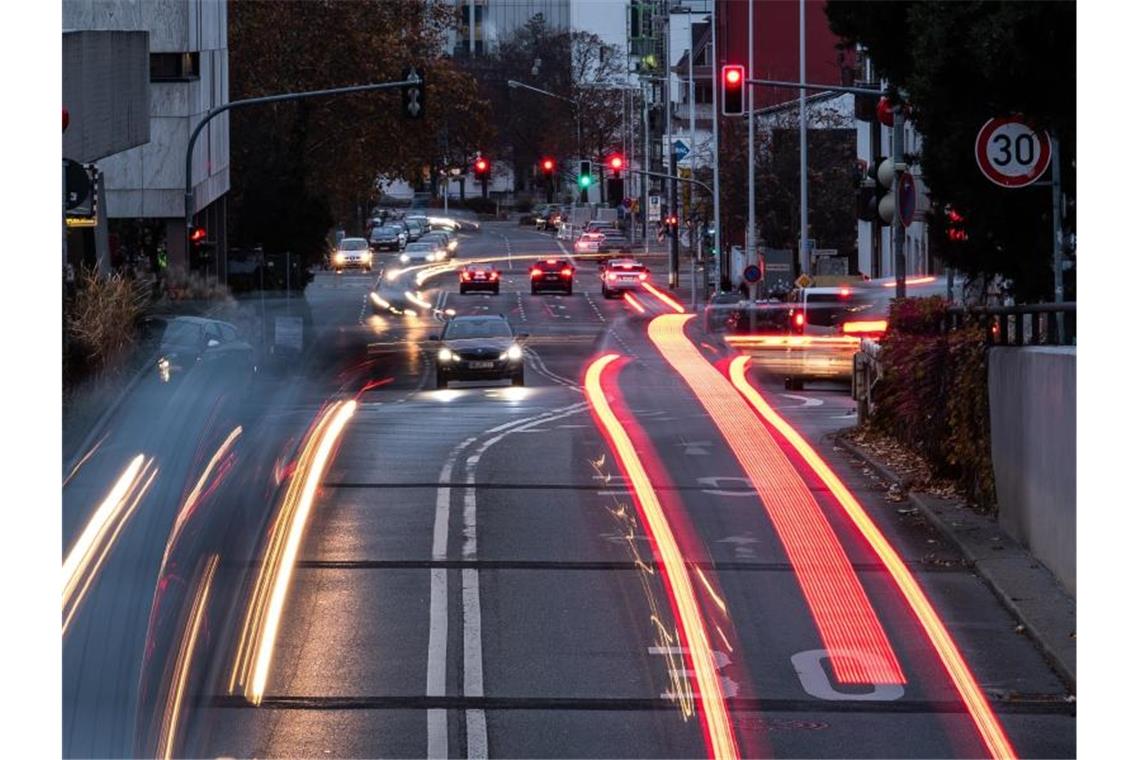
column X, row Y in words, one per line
column 1010, row 153
column 907, row 198
column 680, row 149
column 752, row 274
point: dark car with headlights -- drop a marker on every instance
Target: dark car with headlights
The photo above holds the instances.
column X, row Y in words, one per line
column 483, row 347
column 388, row 237
column 189, row 342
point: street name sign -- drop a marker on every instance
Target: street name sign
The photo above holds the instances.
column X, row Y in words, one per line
column 1011, row 153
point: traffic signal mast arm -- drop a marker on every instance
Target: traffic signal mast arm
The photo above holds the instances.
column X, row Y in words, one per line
column 218, row 110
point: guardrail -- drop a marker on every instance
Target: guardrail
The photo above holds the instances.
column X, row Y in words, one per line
column 1049, row 324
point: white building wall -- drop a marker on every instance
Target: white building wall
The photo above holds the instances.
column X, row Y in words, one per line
column 148, row 181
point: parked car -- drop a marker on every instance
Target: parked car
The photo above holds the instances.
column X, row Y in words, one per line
column 189, row 342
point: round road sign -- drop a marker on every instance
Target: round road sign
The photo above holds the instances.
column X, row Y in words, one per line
column 752, row 273
column 1010, row 153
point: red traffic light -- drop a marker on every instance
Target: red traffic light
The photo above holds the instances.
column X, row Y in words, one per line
column 481, row 166
column 732, row 89
column 197, row 234
column 616, row 162
column 885, row 112
column 548, row 165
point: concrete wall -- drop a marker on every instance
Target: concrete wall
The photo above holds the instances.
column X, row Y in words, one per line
column 106, row 90
column 1033, row 426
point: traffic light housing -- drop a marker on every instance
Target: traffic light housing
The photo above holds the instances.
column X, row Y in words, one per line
column 412, row 95
column 955, row 226
column 585, row 175
column 876, row 199
column 732, row 90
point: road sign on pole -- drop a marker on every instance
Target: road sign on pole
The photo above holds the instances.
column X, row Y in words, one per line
column 1011, row 153
column 752, row 274
column 907, row 199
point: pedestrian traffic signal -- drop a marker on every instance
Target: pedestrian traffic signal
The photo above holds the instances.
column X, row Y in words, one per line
column 732, row 90
column 547, row 166
column 955, row 226
column 585, row 175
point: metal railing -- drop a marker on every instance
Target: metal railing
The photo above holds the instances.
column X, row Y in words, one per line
column 1048, row 324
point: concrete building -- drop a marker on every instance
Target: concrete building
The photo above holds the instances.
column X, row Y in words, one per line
column 189, row 74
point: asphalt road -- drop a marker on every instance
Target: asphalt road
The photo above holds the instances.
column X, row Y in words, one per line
column 472, row 576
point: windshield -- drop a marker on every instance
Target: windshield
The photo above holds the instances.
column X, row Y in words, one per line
column 459, row 329
column 329, row 492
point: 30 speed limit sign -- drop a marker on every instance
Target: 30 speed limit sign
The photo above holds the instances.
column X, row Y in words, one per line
column 1011, row 153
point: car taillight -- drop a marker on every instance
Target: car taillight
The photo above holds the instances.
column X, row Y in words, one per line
column 643, row 276
column 465, row 275
column 867, row 327
column 611, row 276
column 567, row 272
column 536, row 273
column 798, row 321
column 494, row 275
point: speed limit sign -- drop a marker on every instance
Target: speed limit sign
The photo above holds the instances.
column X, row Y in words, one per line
column 1011, row 153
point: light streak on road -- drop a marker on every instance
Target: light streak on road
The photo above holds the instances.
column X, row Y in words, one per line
column 263, row 619
column 376, row 299
column 665, row 298
column 911, row 281
column 790, row 341
column 983, row 716
column 191, row 502
column 835, row 597
column 184, row 659
column 714, row 715
column 712, row 593
column 90, row 453
column 417, row 299
column 868, row 326
column 82, row 564
column 629, row 299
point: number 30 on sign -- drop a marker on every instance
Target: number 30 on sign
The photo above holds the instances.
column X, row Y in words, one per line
column 1010, row 153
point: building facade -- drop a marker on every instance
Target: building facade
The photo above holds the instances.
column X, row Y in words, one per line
column 189, row 75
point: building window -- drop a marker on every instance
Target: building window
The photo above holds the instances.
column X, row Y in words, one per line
column 173, row 67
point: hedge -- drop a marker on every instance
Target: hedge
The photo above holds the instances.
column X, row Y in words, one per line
column 933, row 395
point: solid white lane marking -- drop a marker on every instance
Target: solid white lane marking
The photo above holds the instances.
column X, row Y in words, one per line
column 807, row 401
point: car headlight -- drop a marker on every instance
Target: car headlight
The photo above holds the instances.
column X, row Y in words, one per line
column 339, row 257
column 453, row 245
column 368, row 255
column 514, row 353
column 445, row 355
column 404, row 258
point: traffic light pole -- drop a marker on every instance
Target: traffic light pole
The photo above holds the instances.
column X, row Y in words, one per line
column 898, row 231
column 219, row 110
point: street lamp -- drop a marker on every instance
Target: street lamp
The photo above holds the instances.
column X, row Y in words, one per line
column 513, row 84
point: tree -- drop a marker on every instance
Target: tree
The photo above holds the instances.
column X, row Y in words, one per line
column 296, row 167
column 960, row 64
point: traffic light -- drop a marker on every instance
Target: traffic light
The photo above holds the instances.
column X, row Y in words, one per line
column 547, row 165
column 585, row 176
column 412, row 95
column 876, row 197
column 482, row 167
column 955, row 226
column 671, row 224
column 616, row 163
column 732, row 90
column 197, row 236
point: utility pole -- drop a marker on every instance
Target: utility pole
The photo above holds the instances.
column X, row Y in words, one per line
column 645, row 165
column 716, row 152
column 898, row 231
column 750, row 101
column 805, row 258
column 692, row 164
column 1058, row 279
column 671, row 188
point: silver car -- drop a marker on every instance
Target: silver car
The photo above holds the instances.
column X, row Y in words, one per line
column 422, row 253
column 352, row 253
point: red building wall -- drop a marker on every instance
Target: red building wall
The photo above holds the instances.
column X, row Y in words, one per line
column 776, row 44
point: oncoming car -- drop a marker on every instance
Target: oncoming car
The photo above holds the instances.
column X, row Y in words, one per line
column 422, row 253
column 352, row 253
column 479, row 277
column 444, row 239
column 387, row 237
column 622, row 274
column 480, row 347
column 588, row 242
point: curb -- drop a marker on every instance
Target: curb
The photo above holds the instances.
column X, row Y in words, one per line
column 1023, row 585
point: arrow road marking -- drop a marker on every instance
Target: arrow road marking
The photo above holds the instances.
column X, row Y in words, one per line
column 805, row 399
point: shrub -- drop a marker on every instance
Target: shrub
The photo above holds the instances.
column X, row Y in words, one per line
column 933, row 395
column 100, row 322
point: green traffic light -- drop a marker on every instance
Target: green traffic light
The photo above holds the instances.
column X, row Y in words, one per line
column 584, row 181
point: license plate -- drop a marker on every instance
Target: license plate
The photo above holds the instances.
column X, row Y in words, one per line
column 480, row 277
column 552, row 277
column 482, row 365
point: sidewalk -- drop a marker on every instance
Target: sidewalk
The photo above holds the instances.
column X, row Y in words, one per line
column 1045, row 612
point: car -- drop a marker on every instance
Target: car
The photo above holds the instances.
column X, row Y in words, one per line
column 612, row 240
column 549, row 219
column 196, row 341
column 388, row 237
column 416, row 229
column 479, row 277
column 352, row 253
column 841, row 315
column 479, row 347
column 622, row 274
column 552, row 274
column 597, row 225
column 588, row 242
column 445, row 240
column 422, row 253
